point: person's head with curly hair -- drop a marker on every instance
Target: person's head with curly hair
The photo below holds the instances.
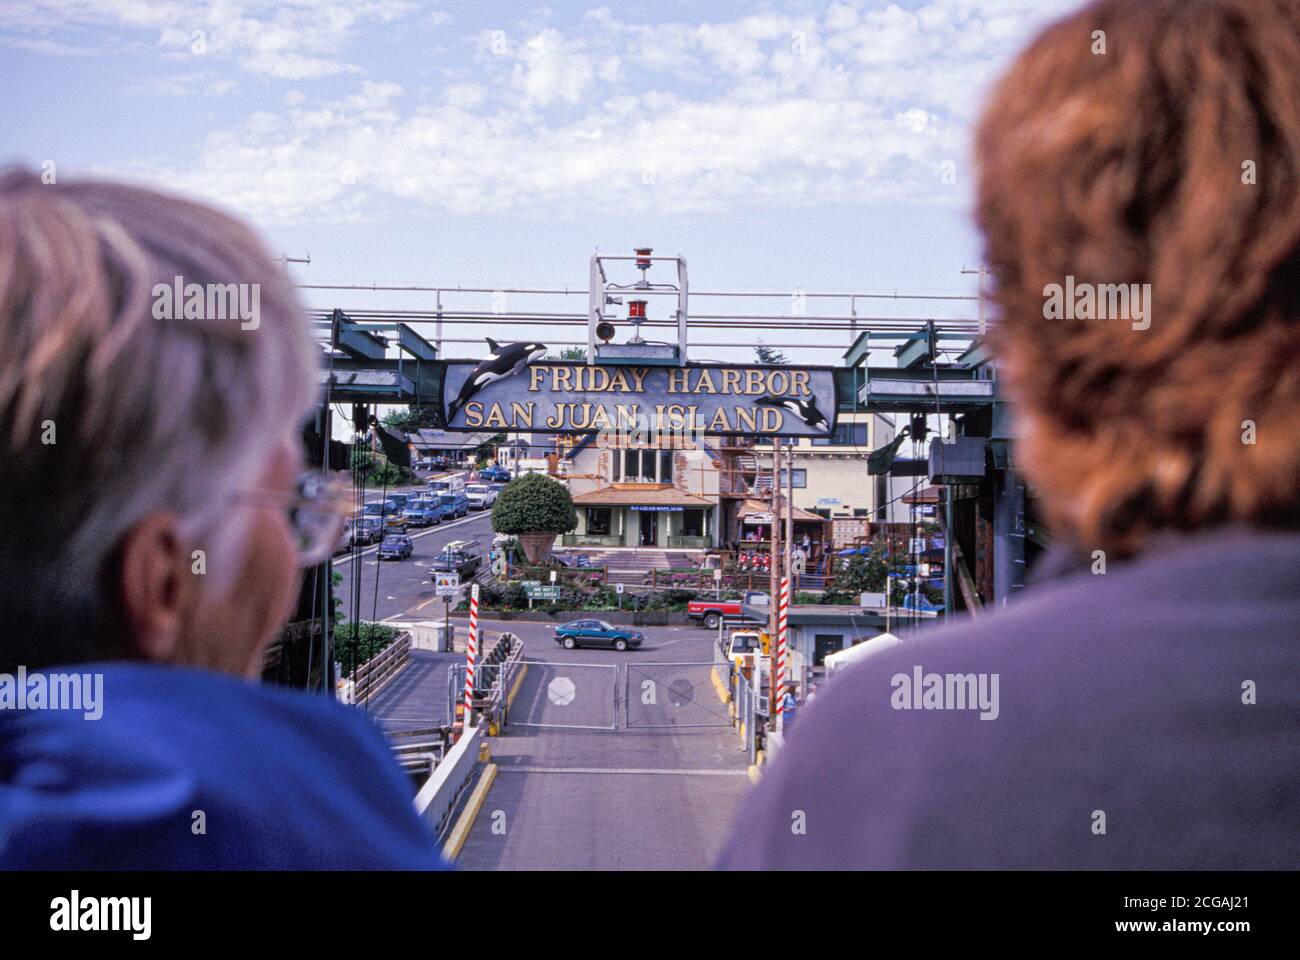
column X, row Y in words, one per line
column 1152, row 142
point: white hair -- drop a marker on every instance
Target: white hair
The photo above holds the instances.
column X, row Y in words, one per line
column 151, row 409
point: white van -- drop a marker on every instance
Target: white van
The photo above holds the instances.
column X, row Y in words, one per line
column 452, row 484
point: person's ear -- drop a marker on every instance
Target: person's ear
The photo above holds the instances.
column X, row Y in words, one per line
column 153, row 586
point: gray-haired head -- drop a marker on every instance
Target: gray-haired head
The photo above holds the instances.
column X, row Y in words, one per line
column 111, row 408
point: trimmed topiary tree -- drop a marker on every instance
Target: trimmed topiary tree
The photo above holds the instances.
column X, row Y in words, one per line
column 536, row 509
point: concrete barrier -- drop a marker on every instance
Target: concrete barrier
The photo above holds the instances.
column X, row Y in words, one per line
column 437, row 797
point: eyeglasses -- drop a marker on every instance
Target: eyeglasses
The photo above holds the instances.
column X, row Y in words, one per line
column 318, row 510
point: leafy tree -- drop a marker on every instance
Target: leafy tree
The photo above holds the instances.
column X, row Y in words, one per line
column 569, row 353
column 413, row 418
column 534, row 504
column 866, row 574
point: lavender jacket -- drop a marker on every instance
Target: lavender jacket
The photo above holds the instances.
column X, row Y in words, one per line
column 1148, row 718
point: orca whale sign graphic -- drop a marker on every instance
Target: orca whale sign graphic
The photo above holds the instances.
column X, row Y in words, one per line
column 514, row 389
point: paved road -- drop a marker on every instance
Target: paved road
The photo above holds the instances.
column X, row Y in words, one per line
column 404, row 586
column 643, row 796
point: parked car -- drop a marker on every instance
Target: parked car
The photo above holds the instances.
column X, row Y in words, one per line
column 387, row 510
column 454, row 504
column 596, row 633
column 459, row 556
column 368, row 529
column 495, row 472
column 396, row 546
column 423, row 512
column 480, row 496
column 344, row 543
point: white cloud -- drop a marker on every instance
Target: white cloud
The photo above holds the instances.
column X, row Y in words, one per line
column 857, row 103
column 295, row 40
column 551, row 67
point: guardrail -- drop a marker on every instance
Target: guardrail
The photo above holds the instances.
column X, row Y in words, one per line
column 437, row 798
column 420, row 750
column 373, row 675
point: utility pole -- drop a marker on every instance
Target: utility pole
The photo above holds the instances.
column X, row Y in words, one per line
column 789, row 512
column 774, row 590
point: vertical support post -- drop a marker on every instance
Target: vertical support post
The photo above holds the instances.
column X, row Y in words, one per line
column 595, row 304
column 437, row 330
column 774, row 556
column 683, row 303
column 789, row 511
column 948, row 534
column 325, row 583
column 782, row 628
column 1008, row 536
column 471, row 653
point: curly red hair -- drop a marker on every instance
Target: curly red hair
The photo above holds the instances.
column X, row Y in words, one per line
column 1169, row 159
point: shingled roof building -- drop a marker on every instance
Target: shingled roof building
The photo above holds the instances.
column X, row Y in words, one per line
column 629, row 496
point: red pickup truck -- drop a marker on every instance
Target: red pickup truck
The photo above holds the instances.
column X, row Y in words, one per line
column 711, row 612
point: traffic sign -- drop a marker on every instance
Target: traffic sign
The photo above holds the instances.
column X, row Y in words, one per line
column 446, row 584
column 618, row 588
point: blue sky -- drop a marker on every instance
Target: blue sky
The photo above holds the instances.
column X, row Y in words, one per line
column 779, row 146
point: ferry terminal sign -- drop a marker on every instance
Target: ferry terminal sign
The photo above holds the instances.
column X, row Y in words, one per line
column 514, row 389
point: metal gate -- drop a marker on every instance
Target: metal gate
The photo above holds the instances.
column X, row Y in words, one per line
column 564, row 695
column 676, row 695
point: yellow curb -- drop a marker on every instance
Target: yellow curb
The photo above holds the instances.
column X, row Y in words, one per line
column 460, row 833
column 755, row 773
column 515, row 689
column 723, row 693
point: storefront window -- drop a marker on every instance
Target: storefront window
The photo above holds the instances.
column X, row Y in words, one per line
column 665, row 466
column 598, row 520
column 693, row 523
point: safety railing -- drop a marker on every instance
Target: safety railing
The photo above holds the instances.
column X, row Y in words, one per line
column 493, row 680
column 375, row 674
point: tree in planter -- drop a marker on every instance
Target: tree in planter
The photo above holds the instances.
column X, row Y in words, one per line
column 536, row 509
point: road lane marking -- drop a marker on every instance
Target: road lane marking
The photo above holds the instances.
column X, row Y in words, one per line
column 460, row 833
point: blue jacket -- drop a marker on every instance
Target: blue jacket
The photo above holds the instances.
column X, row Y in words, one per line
column 283, row 779
column 1144, row 719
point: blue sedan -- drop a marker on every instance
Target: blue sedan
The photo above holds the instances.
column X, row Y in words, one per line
column 596, row 633
column 396, row 548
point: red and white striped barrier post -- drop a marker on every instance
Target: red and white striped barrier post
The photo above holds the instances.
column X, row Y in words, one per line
column 782, row 632
column 471, row 654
